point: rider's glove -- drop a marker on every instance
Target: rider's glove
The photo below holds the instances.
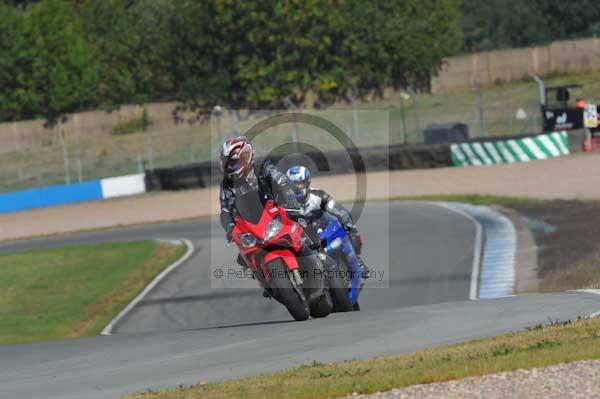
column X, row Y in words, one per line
column 349, row 227
column 229, row 232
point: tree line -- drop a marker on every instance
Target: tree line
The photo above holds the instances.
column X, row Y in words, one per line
column 497, row 24
column 61, row 56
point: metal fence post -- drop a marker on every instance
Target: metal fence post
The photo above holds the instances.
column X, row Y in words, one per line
column 354, row 114
column 415, row 101
column 482, row 131
column 140, row 164
column 235, row 126
column 403, row 117
column 79, row 170
column 65, row 151
column 215, row 123
column 295, row 134
column 149, row 148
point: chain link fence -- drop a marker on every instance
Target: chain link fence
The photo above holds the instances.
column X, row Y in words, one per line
column 80, row 149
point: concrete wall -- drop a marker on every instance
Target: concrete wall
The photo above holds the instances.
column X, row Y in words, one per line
column 501, row 66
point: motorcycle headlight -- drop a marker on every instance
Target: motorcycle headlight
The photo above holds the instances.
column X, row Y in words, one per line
column 273, row 228
column 248, row 240
column 335, row 244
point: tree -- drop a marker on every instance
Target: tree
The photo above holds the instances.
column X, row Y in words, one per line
column 11, row 45
column 56, row 68
column 513, row 23
column 62, row 56
column 131, row 42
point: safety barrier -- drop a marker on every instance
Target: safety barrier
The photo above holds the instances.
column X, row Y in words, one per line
column 475, row 152
column 72, row 193
column 522, row 149
column 394, row 157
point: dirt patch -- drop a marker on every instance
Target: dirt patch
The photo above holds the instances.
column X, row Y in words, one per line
column 569, row 256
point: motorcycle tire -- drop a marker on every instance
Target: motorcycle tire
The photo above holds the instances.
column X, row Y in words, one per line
column 339, row 293
column 338, row 286
column 285, row 293
column 321, row 307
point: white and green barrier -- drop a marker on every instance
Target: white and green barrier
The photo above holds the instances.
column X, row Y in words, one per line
column 525, row 149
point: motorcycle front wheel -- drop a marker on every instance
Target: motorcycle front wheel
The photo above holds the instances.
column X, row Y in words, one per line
column 285, row 293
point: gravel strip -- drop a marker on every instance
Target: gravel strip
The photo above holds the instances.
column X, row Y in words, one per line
column 570, row 380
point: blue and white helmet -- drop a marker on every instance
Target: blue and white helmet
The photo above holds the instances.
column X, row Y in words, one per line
column 300, row 178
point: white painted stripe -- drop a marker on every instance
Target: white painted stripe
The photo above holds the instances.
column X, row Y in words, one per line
column 497, row 273
column 492, row 151
column 458, row 154
column 123, row 185
column 549, row 144
column 507, row 154
column 472, row 157
column 481, row 152
column 469, row 161
column 561, row 146
column 533, row 147
column 518, row 150
column 589, row 291
column 477, row 245
column 108, row 330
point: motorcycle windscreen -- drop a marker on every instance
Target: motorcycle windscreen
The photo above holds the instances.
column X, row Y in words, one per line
column 250, row 206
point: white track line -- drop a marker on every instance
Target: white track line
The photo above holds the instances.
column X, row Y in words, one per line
column 474, row 288
column 190, row 250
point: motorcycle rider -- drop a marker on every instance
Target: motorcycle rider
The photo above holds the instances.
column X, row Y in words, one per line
column 315, row 203
column 241, row 176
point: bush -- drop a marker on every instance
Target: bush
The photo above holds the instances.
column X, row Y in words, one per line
column 134, row 125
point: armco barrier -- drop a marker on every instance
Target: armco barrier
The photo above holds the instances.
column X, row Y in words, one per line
column 334, row 162
column 72, row 193
column 521, row 149
column 123, row 185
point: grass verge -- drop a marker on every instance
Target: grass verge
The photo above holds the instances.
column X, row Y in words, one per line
column 74, row 291
column 540, row 346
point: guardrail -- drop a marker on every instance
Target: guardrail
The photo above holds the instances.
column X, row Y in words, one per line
column 395, row 157
column 199, row 175
column 66, row 194
column 503, row 150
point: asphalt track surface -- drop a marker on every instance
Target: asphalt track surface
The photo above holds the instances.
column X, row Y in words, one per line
column 186, row 330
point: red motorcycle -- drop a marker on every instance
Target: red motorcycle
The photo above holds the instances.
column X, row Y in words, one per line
column 272, row 245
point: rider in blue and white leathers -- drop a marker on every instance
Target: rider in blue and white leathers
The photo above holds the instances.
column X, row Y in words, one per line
column 316, row 203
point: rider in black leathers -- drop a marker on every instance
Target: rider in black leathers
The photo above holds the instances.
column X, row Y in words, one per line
column 267, row 179
column 241, row 176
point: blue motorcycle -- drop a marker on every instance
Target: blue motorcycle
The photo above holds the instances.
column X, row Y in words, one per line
column 337, row 245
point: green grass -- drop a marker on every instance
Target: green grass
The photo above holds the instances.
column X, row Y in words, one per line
column 539, row 347
column 74, row 291
column 40, row 161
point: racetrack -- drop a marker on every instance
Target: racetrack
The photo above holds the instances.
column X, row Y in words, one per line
column 430, row 258
column 430, row 261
